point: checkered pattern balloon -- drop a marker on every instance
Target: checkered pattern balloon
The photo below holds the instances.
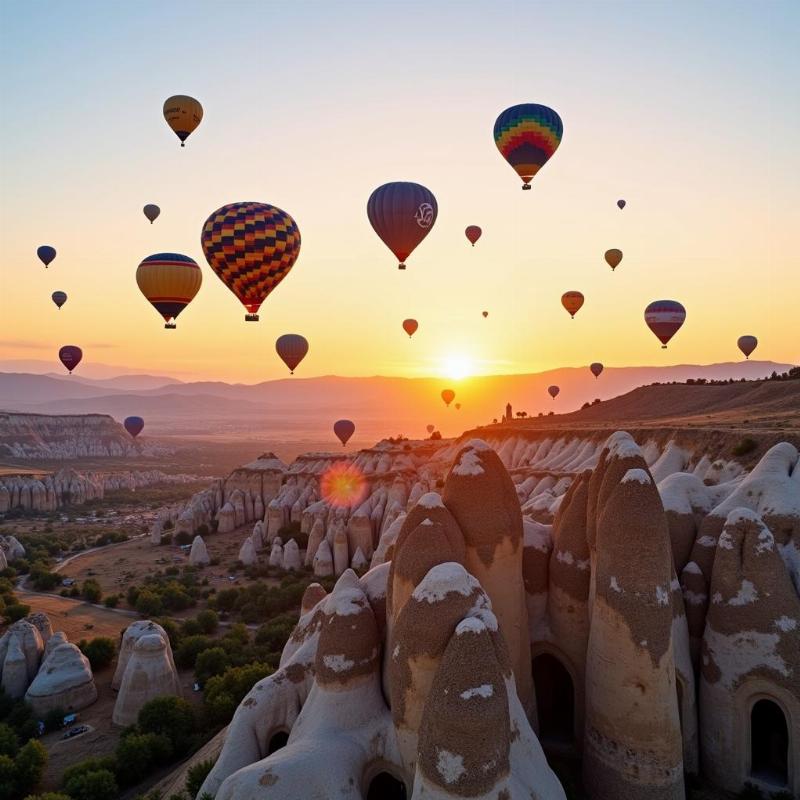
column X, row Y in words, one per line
column 251, row 247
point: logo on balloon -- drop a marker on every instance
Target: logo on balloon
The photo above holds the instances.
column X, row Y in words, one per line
column 424, row 215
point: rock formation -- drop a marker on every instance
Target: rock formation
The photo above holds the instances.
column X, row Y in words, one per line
column 291, row 556
column 128, row 640
column 198, row 555
column 64, row 680
column 149, row 673
column 247, row 553
column 21, row 649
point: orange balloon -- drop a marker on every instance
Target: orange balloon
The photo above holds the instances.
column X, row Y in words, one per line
column 410, row 326
column 613, row 257
column 448, row 395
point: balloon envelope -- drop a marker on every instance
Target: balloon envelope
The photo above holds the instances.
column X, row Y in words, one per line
column 473, row 233
column 183, row 114
column 134, row 425
column 151, row 211
column 596, row 368
column 527, row 135
column 170, row 282
column 251, row 247
column 402, row 214
column 747, row 344
column 485, row 314
column 458, row 406
column 553, row 391
column 448, row 395
column 292, row 348
column 59, row 298
column 70, row 356
column 621, row 203
column 343, row 429
column 410, row 326
column 429, row 428
column 572, row 301
column 613, row 257
column 46, row 254
column 664, row 318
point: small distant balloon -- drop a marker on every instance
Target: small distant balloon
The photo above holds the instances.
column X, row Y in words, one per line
column 46, row 254
column 553, row 391
column 410, row 326
column 747, row 344
column 620, row 204
column 183, row 114
column 485, row 314
column 448, row 395
column 613, row 257
column 134, row 425
column 402, row 214
column 527, row 135
column 596, row 368
column 458, row 406
column 473, row 233
column 151, row 211
column 572, row 301
column 292, row 349
column 70, row 356
column 343, row 429
column 430, row 428
column 59, row 298
column 664, row 318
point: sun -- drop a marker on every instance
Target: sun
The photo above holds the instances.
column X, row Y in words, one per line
column 457, row 367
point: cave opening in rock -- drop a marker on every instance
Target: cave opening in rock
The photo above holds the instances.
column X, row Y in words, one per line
column 277, row 741
column 555, row 700
column 769, row 743
column 386, row 787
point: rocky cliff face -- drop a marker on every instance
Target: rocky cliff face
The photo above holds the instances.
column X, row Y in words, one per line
column 69, row 436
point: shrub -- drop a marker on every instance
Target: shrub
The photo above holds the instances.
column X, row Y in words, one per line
column 208, row 621
column 91, row 591
column 29, row 764
column 54, row 719
column 96, row 785
column 190, row 648
column 15, row 612
column 148, row 603
column 111, row 601
column 196, row 774
column 100, row 651
column 745, row 446
column 202, row 529
column 138, row 753
column 182, row 537
column 49, row 796
column 223, row 693
column 9, row 741
column 275, row 633
column 209, row 663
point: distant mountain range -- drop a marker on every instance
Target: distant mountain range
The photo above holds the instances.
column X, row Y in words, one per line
column 297, row 408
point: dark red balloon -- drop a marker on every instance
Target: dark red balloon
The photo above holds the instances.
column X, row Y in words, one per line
column 70, row 356
column 134, row 425
column 402, row 214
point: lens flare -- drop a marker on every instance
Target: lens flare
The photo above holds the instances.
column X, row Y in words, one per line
column 343, row 484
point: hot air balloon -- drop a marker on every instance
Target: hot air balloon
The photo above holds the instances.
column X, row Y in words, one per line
column 292, row 348
column 596, row 368
column 134, row 425
column 183, row 114
column 169, row 281
column 46, row 254
column 59, row 298
column 621, row 204
column 747, row 344
column 572, row 301
column 430, row 428
column 553, row 391
column 613, row 257
column 458, row 406
column 664, row 318
column 402, row 214
column 344, row 429
column 251, row 247
column 70, row 356
column 485, row 314
column 447, row 396
column 526, row 136
column 151, row 211
column 473, row 233
column 410, row 326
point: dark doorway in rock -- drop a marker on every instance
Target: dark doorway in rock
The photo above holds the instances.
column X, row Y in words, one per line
column 769, row 743
column 277, row 741
column 386, row 787
column 555, row 700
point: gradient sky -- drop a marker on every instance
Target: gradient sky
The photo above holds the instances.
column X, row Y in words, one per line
column 688, row 110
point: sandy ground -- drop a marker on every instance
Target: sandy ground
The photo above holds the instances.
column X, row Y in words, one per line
column 117, row 567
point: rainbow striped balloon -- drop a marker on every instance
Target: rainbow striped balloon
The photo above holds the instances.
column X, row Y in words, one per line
column 526, row 136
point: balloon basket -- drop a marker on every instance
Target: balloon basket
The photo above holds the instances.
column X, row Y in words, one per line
column 170, row 326
column 251, row 317
column 526, row 187
column 401, row 266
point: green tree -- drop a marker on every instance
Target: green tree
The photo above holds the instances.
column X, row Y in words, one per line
column 96, row 785
column 209, row 663
column 49, row 796
column 138, row 753
column 9, row 741
column 91, row 591
column 100, row 651
column 208, row 621
column 196, row 774
column 148, row 603
column 15, row 612
column 190, row 648
column 223, row 693
column 172, row 717
column 29, row 765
